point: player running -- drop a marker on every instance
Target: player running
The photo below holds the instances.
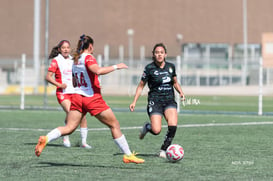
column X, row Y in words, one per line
column 161, row 78
column 88, row 98
column 61, row 68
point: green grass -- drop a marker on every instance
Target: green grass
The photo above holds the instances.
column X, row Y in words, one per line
column 215, row 152
column 248, row 104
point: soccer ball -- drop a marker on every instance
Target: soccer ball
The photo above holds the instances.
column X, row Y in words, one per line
column 175, row 153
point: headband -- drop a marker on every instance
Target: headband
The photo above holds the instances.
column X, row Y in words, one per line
column 62, row 42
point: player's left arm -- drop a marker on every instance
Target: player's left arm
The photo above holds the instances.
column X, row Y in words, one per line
column 178, row 88
column 92, row 65
column 105, row 70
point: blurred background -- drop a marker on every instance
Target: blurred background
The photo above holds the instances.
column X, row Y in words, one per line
column 215, row 44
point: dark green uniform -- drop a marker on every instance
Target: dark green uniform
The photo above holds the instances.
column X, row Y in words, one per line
column 160, row 83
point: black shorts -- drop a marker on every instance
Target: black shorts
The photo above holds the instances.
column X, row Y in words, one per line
column 159, row 107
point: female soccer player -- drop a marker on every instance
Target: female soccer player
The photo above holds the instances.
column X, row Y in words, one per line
column 88, row 98
column 61, row 66
column 161, row 78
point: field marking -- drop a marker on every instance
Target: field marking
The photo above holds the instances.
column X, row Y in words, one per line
column 164, row 126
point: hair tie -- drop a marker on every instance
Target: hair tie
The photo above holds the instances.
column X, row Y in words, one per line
column 81, row 39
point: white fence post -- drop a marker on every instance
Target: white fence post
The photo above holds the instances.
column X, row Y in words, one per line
column 260, row 111
column 106, row 54
column 22, row 105
column 178, row 75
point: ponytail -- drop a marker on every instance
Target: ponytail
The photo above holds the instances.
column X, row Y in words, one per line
column 54, row 52
column 83, row 44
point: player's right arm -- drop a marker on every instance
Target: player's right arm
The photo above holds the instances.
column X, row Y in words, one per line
column 50, row 79
column 137, row 94
column 51, row 71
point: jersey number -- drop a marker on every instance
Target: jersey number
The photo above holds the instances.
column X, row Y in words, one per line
column 80, row 81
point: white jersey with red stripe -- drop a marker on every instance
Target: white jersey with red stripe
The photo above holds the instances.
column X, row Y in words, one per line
column 87, row 82
column 62, row 68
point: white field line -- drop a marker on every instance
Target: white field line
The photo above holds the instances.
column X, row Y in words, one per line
column 138, row 127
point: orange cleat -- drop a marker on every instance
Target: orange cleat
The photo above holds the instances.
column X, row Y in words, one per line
column 132, row 159
column 40, row 145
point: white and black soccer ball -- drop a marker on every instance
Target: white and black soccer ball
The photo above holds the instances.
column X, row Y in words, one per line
column 175, row 153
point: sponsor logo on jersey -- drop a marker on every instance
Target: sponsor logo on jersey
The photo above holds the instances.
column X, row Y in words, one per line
column 166, row 79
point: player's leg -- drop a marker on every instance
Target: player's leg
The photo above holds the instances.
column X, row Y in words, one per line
column 66, row 107
column 153, row 127
column 171, row 118
column 73, row 120
column 108, row 118
column 83, row 125
column 84, row 132
column 155, row 112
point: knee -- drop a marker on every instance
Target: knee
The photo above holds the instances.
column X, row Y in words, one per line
column 70, row 128
column 114, row 124
column 156, row 131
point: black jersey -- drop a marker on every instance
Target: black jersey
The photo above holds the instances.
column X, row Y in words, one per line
column 160, row 81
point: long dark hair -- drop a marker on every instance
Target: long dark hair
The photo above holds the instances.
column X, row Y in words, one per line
column 56, row 50
column 83, row 44
column 158, row 45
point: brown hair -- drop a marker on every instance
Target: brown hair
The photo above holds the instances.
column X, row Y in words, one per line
column 83, row 44
column 56, row 50
column 158, row 45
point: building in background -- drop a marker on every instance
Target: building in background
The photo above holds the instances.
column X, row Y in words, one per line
column 208, row 33
column 199, row 21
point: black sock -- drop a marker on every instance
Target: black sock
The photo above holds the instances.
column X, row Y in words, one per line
column 169, row 137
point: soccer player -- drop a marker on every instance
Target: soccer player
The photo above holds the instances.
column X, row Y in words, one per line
column 61, row 66
column 88, row 98
column 161, row 78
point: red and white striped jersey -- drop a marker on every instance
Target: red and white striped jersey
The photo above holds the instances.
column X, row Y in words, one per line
column 62, row 68
column 87, row 82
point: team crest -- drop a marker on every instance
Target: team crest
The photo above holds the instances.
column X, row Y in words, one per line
column 170, row 70
column 144, row 75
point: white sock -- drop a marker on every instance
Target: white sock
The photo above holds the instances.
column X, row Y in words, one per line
column 123, row 145
column 84, row 132
column 53, row 135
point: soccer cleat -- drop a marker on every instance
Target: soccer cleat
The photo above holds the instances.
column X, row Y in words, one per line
column 40, row 145
column 162, row 154
column 66, row 141
column 132, row 159
column 143, row 131
column 86, row 146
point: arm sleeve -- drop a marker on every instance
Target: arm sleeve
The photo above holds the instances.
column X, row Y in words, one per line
column 145, row 75
column 90, row 60
column 53, row 66
column 174, row 71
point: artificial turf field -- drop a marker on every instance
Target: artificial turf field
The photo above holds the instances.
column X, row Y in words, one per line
column 223, row 139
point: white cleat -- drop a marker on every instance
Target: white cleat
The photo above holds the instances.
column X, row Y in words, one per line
column 86, row 146
column 162, row 154
column 66, row 142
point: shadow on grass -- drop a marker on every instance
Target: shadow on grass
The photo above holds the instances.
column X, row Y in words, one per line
column 52, row 164
column 141, row 154
column 50, row 145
